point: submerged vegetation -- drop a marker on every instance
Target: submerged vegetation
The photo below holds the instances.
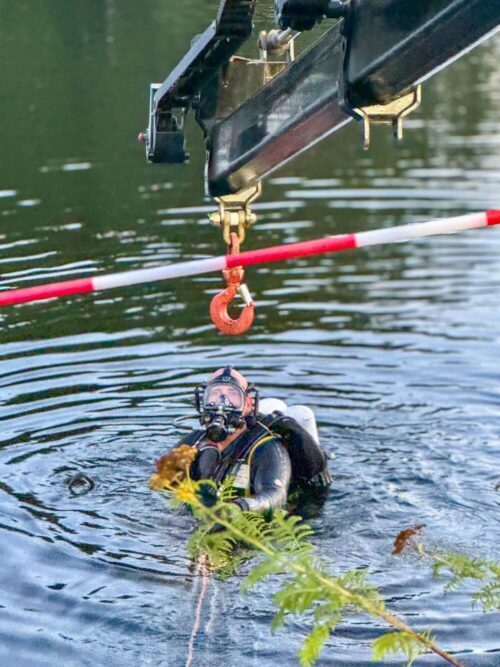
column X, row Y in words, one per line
column 227, row 536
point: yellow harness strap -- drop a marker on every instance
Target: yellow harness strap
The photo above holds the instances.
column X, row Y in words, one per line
column 250, row 456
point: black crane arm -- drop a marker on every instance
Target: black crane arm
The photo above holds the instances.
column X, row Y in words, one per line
column 209, row 52
column 376, row 52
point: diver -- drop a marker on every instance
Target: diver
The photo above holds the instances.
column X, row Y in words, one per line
column 268, row 452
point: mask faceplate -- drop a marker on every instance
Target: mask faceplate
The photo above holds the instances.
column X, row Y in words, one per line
column 223, row 395
column 221, row 405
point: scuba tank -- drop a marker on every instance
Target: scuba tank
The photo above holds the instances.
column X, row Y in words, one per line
column 296, row 426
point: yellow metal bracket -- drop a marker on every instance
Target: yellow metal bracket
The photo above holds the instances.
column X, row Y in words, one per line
column 234, row 212
column 391, row 113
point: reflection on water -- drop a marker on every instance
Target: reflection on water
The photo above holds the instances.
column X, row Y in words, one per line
column 396, row 349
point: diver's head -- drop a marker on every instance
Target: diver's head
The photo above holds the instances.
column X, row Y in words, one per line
column 225, row 403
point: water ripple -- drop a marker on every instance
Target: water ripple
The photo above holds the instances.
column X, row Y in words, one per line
column 396, row 348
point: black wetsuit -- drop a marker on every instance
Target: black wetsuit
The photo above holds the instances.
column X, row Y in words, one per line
column 266, row 461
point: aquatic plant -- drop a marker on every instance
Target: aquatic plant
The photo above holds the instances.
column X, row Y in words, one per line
column 458, row 567
column 226, row 534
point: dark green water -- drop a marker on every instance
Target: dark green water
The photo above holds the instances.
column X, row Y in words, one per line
column 395, row 348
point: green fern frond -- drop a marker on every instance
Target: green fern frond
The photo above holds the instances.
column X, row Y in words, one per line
column 453, row 584
column 284, row 542
column 278, row 621
column 251, row 525
column 355, row 582
column 289, row 533
column 489, row 596
column 232, row 566
column 398, row 642
column 436, row 569
column 495, row 569
column 313, row 644
column 299, row 594
column 464, row 567
column 225, row 490
column 328, row 612
column 218, row 547
column 266, row 567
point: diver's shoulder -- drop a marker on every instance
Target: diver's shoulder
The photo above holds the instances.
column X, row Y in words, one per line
column 194, row 438
column 261, row 431
column 265, row 439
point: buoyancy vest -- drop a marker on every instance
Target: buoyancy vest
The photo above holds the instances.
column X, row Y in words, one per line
column 307, row 458
column 240, row 464
column 236, row 460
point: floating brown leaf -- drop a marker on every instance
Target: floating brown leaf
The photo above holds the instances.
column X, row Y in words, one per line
column 405, row 539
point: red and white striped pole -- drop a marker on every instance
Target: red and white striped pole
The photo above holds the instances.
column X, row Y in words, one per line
column 274, row 254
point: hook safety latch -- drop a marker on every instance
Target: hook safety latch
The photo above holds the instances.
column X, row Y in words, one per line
column 219, row 304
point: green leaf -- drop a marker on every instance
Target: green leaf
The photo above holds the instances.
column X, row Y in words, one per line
column 289, row 533
column 355, row 582
column 313, row 645
column 489, row 596
column 266, row 567
column 217, row 546
column 225, row 490
column 298, row 594
column 328, row 615
column 286, row 547
column 395, row 642
column 278, row 620
column 495, row 569
column 436, row 569
column 464, row 567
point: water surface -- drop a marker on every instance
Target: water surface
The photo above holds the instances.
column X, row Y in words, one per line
column 396, row 349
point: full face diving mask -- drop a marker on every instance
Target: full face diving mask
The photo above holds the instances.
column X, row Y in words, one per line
column 221, row 403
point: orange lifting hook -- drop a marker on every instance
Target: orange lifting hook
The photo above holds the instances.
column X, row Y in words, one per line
column 219, row 304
